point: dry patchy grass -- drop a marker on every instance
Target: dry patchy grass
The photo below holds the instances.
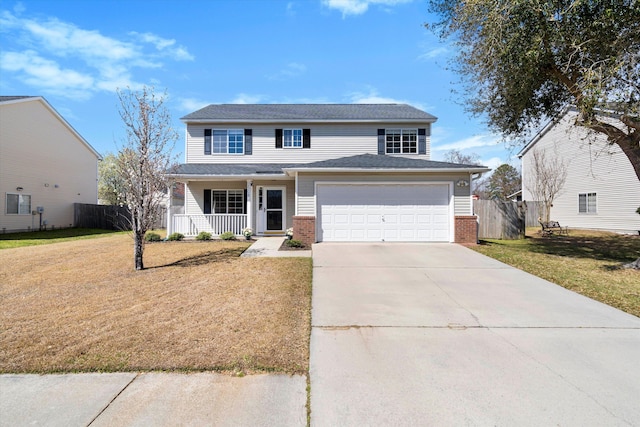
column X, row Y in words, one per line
column 587, row 262
column 80, row 306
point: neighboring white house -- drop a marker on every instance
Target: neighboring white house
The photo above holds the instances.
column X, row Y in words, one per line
column 601, row 191
column 333, row 172
column 45, row 166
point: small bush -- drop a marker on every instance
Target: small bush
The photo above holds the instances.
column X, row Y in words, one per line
column 295, row 243
column 203, row 235
column 228, row 235
column 175, row 236
column 152, row 237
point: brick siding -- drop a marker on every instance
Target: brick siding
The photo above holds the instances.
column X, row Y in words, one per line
column 466, row 229
column 304, row 229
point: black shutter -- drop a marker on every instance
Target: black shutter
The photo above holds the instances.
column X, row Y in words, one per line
column 248, row 142
column 306, row 138
column 245, row 202
column 381, row 141
column 207, row 141
column 422, row 141
column 278, row 138
column 207, row 202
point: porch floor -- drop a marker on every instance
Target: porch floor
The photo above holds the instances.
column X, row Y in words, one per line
column 268, row 247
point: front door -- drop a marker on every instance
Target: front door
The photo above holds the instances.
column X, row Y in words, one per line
column 271, row 210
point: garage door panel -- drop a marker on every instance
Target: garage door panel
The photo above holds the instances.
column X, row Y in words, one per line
column 376, row 212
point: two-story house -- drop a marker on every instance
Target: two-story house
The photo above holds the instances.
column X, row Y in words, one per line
column 601, row 190
column 332, row 172
column 45, row 166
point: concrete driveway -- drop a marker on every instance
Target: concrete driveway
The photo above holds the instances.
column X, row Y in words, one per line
column 437, row 334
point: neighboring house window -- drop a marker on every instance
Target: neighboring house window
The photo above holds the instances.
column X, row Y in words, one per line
column 227, row 201
column 587, row 203
column 18, row 204
column 402, row 141
column 227, row 141
column 292, row 138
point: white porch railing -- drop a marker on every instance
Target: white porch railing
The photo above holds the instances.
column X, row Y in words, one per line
column 192, row 225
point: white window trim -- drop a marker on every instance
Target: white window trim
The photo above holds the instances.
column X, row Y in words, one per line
column 402, row 130
column 586, row 194
column 6, row 203
column 227, row 153
column 226, row 190
column 284, row 145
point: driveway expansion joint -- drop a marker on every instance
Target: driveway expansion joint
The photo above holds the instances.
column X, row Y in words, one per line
column 114, row 399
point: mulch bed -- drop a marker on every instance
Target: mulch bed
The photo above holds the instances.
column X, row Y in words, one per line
column 285, row 247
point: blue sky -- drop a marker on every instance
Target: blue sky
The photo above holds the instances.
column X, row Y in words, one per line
column 76, row 53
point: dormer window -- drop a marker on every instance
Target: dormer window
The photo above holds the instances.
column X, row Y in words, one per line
column 292, row 138
column 401, row 141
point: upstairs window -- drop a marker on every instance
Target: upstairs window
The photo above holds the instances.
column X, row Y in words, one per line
column 228, row 141
column 292, row 138
column 401, row 141
column 18, row 204
column 587, row 203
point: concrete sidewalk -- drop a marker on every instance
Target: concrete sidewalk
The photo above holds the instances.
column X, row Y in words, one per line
column 437, row 334
column 152, row 399
column 268, row 247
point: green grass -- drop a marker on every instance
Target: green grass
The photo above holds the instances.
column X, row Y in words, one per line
column 587, row 262
column 32, row 238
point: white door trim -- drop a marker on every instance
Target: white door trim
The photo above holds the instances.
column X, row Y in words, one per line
column 261, row 209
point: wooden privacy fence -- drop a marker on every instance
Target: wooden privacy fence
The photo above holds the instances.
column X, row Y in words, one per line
column 499, row 219
column 109, row 217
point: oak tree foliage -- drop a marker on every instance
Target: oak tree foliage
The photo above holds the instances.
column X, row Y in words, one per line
column 523, row 61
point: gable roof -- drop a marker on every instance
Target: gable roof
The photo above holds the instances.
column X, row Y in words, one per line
column 308, row 113
column 18, row 99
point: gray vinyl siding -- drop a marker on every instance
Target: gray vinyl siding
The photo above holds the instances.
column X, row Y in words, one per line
column 307, row 198
column 328, row 141
column 593, row 166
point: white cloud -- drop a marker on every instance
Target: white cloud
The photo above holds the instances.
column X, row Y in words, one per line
column 290, row 70
column 291, row 9
column 371, row 96
column 69, row 61
column 358, row 7
column 243, row 98
column 192, row 104
column 483, row 140
column 493, row 163
column 47, row 74
column 434, row 53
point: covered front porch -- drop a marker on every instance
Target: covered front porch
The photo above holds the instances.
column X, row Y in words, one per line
column 217, row 204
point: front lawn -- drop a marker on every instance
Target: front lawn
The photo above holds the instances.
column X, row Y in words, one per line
column 80, row 306
column 32, row 238
column 586, row 262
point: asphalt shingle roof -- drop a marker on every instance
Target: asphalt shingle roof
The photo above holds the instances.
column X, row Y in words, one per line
column 13, row 98
column 283, row 112
column 362, row 161
column 375, row 161
column 231, row 169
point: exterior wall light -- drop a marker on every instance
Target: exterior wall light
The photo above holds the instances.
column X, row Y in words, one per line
column 19, row 188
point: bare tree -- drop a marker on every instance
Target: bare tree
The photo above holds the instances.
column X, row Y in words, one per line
column 144, row 160
column 548, row 175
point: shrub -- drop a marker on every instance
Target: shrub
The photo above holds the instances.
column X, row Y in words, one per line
column 152, row 237
column 203, row 235
column 295, row 243
column 175, row 236
column 228, row 235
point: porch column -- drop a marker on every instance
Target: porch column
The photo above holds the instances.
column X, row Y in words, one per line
column 250, row 204
column 169, row 218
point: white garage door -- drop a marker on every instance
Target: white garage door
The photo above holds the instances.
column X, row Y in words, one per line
column 383, row 212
